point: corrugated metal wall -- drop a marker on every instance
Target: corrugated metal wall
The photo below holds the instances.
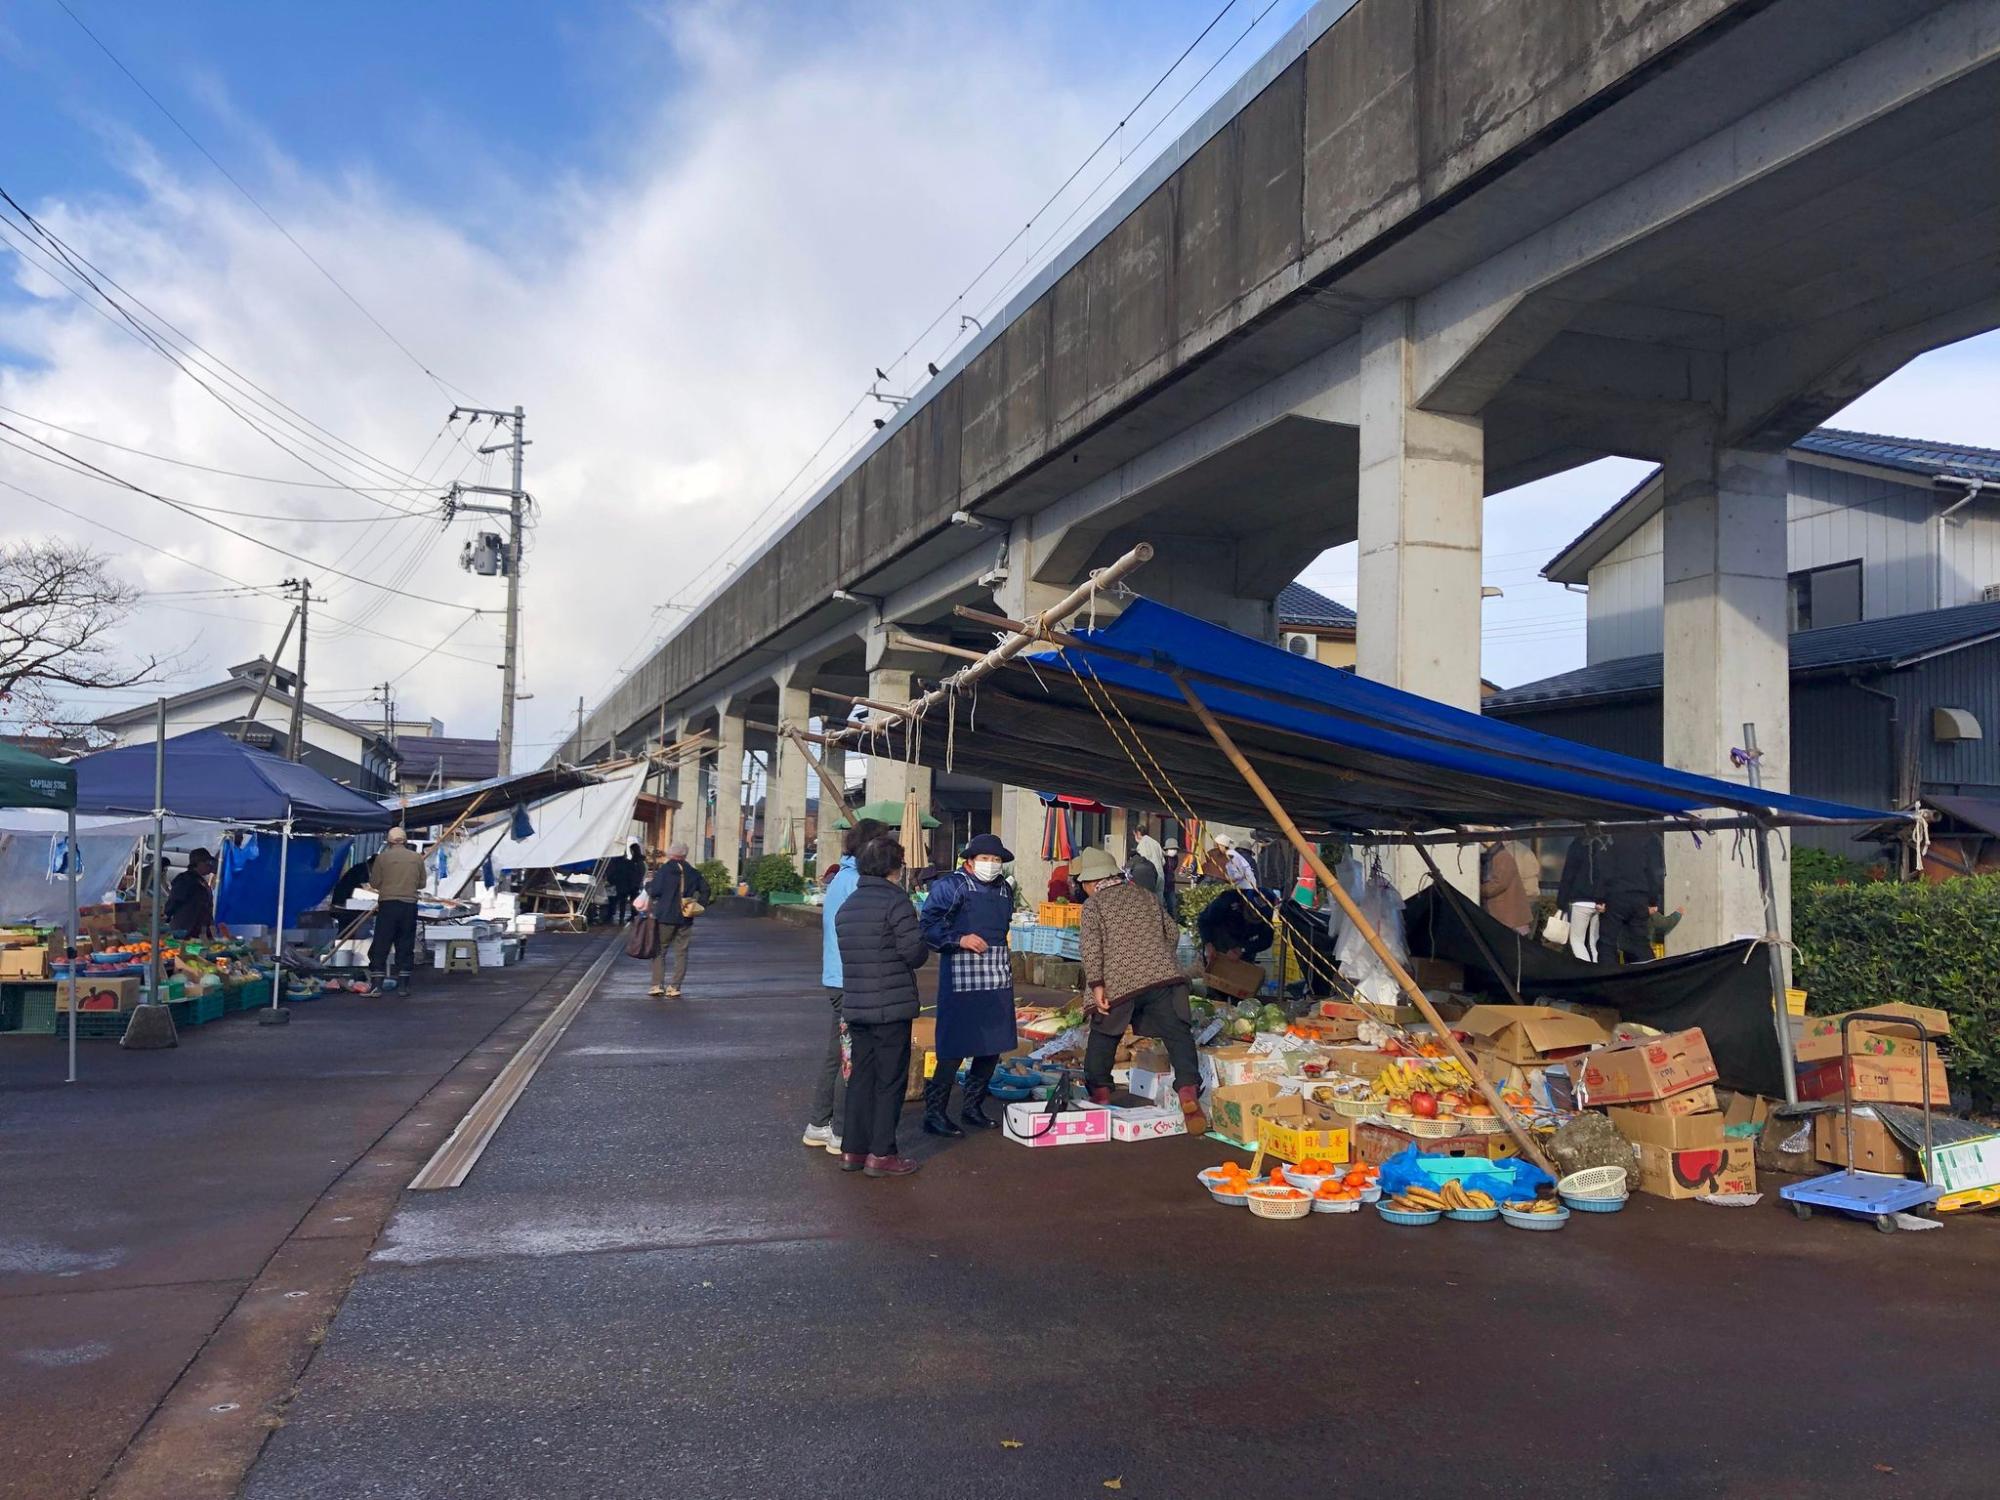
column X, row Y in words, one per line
column 1835, row 516
column 1968, row 679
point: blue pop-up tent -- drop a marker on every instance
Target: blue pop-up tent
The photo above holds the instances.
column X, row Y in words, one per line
column 211, row 776
column 207, row 775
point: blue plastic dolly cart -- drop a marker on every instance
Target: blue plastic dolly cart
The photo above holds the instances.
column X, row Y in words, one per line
column 1869, row 1195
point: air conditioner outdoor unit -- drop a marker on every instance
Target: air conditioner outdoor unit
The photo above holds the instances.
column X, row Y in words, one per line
column 1990, row 594
column 1299, row 643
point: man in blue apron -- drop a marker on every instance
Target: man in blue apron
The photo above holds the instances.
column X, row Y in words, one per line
column 966, row 916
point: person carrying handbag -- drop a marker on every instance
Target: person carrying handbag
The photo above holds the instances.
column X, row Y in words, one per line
column 675, row 896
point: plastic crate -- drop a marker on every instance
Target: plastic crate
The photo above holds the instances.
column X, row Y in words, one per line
column 28, row 1009
column 98, row 1025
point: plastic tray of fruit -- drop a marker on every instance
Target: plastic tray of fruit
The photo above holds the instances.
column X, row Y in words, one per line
column 1229, row 1184
column 1414, row 1206
column 1268, row 1202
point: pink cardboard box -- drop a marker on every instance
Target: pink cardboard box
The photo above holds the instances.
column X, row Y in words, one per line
column 1029, row 1123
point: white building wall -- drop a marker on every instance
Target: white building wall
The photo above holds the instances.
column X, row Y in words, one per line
column 227, row 707
column 1910, row 561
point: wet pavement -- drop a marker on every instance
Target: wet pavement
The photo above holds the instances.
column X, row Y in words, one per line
column 649, row 1288
column 199, row 1212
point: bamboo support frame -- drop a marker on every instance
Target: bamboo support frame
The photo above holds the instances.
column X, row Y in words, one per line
column 1404, row 982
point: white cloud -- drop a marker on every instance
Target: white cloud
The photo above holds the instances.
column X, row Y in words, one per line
column 681, row 337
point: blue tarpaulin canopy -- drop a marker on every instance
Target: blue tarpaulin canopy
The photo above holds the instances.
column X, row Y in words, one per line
column 1341, row 753
column 213, row 777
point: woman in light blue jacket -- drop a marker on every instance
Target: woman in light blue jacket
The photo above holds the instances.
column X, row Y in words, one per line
column 830, row 1087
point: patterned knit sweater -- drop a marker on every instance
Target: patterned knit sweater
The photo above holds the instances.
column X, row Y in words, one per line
column 1129, row 942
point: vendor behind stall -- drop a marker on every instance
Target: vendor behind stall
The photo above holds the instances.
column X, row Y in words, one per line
column 190, row 909
column 966, row 916
column 1133, row 978
column 1235, row 924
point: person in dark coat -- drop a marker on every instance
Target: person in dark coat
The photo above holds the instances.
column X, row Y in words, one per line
column 966, row 917
column 1632, row 875
column 624, row 875
column 882, row 946
column 1236, row 924
column 190, row 908
column 673, row 884
column 1579, row 893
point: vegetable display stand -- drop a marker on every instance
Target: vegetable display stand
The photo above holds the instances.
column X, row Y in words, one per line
column 1869, row 1195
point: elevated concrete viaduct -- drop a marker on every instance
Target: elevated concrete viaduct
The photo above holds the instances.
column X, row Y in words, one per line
column 1426, row 251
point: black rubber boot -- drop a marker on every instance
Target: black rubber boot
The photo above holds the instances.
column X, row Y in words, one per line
column 937, row 1095
column 972, row 1114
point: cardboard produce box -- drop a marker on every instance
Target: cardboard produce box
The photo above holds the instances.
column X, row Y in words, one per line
column 1234, row 976
column 1740, row 1109
column 1675, row 1132
column 1235, row 1108
column 1699, row 1101
column 24, row 963
column 1029, row 1123
column 1296, row 1129
column 1653, row 1068
column 1875, row 1080
column 1875, row 1150
column 1437, row 974
column 1820, row 1039
column 1146, row 1124
column 1527, row 1034
column 1966, row 1164
column 1374, row 1144
column 1669, row 1173
column 119, row 993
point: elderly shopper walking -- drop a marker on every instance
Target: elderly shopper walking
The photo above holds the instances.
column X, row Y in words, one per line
column 674, row 897
column 829, row 1090
column 397, row 873
column 881, row 948
column 966, row 917
column 1132, row 976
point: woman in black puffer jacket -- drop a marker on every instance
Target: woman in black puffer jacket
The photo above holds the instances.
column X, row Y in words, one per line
column 881, row 948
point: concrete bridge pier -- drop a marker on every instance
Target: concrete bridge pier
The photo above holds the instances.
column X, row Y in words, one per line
column 785, row 789
column 1726, row 661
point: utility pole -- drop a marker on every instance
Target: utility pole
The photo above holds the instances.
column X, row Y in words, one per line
column 297, row 738
column 579, row 729
column 516, row 499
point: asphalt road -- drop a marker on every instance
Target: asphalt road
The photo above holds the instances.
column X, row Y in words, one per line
column 648, row 1288
column 140, row 1205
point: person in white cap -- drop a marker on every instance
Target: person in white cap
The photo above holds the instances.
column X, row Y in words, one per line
column 1236, row 866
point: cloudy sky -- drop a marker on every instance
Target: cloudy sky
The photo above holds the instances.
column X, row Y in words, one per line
column 680, row 235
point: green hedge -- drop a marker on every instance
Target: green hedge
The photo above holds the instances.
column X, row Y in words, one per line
column 1194, row 901
column 1938, row 945
column 720, row 881
column 775, row 875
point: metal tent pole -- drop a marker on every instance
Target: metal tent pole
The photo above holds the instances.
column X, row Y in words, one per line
column 278, row 932
column 1753, row 759
column 159, row 845
column 1362, row 925
column 70, row 944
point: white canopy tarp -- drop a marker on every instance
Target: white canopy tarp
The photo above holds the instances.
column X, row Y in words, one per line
column 576, row 827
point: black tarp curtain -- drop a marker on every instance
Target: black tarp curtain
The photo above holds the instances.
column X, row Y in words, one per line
column 1725, row 991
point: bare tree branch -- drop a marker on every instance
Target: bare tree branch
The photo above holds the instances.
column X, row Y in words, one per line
column 60, row 607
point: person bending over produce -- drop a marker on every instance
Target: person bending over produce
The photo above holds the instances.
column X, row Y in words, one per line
column 1132, row 975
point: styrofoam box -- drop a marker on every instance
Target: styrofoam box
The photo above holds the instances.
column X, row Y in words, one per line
column 1030, row 1124
column 1135, row 1124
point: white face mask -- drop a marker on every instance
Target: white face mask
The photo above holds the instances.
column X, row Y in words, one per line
column 986, row 869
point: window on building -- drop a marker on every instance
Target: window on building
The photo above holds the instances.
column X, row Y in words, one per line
column 1826, row 596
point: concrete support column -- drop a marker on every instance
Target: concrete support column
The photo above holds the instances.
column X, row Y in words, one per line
column 729, row 792
column 685, row 788
column 785, row 795
column 1018, row 817
column 1421, row 499
column 1726, row 664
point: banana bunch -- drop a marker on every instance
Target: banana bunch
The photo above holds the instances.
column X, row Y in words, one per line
column 1416, row 1200
column 1445, row 1075
column 1534, row 1206
column 1456, row 1195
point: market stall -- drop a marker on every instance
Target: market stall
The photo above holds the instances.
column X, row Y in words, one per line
column 31, row 783
column 1159, row 710
column 208, row 776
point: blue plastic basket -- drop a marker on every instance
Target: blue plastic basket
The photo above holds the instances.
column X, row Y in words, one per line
column 1536, row 1221
column 1397, row 1216
column 1594, row 1205
column 1472, row 1215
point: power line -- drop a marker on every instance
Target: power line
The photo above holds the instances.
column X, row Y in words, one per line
column 108, row 477
column 429, row 373
column 52, row 247
column 182, row 463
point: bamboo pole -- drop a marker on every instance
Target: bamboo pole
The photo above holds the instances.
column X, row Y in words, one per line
column 1408, row 985
column 828, row 786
